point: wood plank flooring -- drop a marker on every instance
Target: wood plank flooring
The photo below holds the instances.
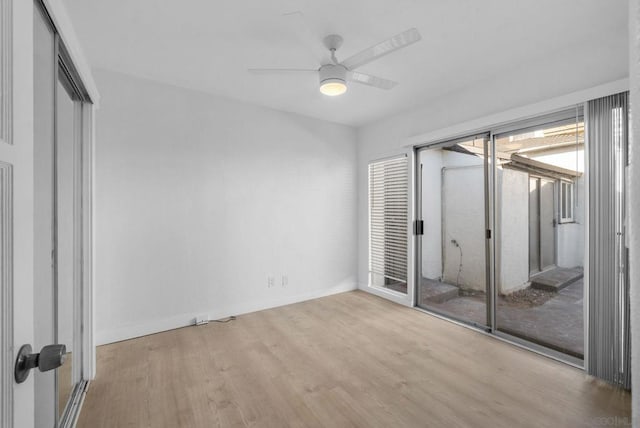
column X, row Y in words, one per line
column 349, row 360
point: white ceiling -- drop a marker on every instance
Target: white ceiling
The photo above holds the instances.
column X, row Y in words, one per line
column 208, row 45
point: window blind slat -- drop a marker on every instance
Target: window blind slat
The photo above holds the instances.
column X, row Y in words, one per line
column 388, row 218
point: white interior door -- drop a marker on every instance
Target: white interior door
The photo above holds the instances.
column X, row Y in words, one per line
column 16, row 207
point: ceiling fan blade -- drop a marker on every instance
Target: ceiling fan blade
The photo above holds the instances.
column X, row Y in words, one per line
column 396, row 42
column 367, row 79
column 280, row 70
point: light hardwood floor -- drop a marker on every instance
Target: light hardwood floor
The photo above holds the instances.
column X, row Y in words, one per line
column 351, row 359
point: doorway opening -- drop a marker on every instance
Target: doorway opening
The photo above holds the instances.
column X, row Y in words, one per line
column 542, row 224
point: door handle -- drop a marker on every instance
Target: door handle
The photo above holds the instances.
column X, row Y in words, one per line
column 50, row 357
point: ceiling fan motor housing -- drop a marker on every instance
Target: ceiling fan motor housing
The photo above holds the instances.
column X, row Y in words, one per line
column 333, row 73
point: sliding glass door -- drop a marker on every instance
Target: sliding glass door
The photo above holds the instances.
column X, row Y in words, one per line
column 539, row 234
column 501, row 232
column 452, row 261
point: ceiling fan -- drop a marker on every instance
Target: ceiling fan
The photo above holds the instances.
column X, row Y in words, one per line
column 334, row 75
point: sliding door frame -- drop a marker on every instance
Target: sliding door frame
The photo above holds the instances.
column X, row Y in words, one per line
column 66, row 78
column 567, row 114
column 491, row 225
column 418, row 216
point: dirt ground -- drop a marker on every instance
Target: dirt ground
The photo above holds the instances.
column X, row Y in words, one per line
column 529, row 297
column 526, row 298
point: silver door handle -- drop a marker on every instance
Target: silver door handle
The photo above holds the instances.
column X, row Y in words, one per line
column 50, row 357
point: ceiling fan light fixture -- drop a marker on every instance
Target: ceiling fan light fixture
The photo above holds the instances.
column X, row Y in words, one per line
column 333, row 87
column 333, row 79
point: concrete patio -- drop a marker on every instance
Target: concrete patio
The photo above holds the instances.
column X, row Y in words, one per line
column 557, row 323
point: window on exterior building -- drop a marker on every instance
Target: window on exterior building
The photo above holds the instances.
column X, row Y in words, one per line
column 567, row 201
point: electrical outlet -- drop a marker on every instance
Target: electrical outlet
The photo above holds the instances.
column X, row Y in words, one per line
column 285, row 280
column 270, row 281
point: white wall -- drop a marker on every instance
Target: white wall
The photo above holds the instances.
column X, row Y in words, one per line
column 431, row 161
column 463, row 212
column 199, row 199
column 513, row 224
column 453, row 209
column 634, row 202
column 526, row 89
column 461, row 200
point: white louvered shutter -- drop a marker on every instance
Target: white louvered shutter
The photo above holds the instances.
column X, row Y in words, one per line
column 388, row 220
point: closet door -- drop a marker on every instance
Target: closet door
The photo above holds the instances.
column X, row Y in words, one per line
column 57, row 228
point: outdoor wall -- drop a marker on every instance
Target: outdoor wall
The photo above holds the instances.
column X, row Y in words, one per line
column 431, row 161
column 453, row 209
column 200, row 199
column 463, row 221
column 513, row 218
column 512, row 245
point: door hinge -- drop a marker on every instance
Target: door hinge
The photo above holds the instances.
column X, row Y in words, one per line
column 488, row 234
column 418, row 227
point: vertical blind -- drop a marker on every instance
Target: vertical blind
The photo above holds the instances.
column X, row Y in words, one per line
column 388, row 218
column 609, row 354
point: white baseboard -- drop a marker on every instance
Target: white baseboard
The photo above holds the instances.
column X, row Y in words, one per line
column 131, row 331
